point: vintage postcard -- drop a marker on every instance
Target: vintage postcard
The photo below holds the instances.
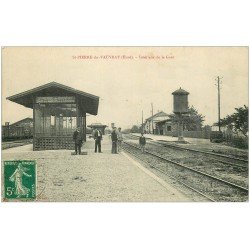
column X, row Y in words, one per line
column 124, row 124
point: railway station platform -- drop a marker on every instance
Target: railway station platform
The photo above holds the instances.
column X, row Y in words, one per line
column 174, row 139
column 199, row 144
column 95, row 177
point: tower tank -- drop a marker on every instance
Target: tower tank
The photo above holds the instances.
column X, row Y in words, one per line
column 180, row 101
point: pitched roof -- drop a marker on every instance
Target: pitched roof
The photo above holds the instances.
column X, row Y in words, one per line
column 25, row 119
column 163, row 121
column 161, row 113
column 28, row 119
column 88, row 101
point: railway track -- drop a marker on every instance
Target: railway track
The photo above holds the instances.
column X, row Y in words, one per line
column 17, row 143
column 207, row 185
column 230, row 160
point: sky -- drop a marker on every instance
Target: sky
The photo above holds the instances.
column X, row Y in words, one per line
column 129, row 79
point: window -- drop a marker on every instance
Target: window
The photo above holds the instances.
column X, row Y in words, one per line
column 55, row 119
column 52, row 120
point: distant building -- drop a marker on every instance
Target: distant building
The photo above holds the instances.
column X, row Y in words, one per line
column 215, row 127
column 170, row 128
column 99, row 126
column 150, row 125
column 19, row 129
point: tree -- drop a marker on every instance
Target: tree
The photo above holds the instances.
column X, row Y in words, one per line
column 238, row 121
column 135, row 129
column 126, row 131
column 192, row 121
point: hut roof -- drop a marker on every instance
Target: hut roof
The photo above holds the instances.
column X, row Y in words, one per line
column 96, row 125
column 88, row 101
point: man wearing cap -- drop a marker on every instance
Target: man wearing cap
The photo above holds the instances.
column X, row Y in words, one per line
column 114, row 139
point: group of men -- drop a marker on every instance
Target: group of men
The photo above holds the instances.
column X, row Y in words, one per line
column 116, row 138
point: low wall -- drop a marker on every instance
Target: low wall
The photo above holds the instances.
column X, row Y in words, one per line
column 197, row 134
column 190, row 134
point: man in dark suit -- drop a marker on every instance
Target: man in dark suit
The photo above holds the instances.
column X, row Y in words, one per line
column 98, row 139
column 77, row 137
column 142, row 143
column 114, row 138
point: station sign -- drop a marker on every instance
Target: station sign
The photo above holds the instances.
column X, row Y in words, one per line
column 55, row 99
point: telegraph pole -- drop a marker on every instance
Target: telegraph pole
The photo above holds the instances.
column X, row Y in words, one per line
column 152, row 111
column 218, row 80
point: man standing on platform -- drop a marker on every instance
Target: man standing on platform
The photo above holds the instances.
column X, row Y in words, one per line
column 119, row 134
column 142, row 143
column 77, row 137
column 114, row 139
column 98, row 138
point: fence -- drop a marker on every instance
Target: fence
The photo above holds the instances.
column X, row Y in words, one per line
column 197, row 134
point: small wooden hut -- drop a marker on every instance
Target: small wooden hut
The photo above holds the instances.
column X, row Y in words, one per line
column 98, row 126
column 57, row 111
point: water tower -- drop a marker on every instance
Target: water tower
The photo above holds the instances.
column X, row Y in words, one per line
column 180, row 108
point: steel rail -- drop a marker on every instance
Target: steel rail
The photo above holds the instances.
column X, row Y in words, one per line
column 163, row 172
column 19, row 141
column 200, row 151
column 157, row 143
column 193, row 170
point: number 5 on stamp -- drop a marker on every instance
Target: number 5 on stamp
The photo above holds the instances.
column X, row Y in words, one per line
column 19, row 180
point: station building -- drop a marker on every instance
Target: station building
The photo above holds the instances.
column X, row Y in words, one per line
column 166, row 127
column 150, row 125
column 57, row 111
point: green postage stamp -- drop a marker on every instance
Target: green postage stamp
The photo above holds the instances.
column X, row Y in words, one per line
column 19, row 180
